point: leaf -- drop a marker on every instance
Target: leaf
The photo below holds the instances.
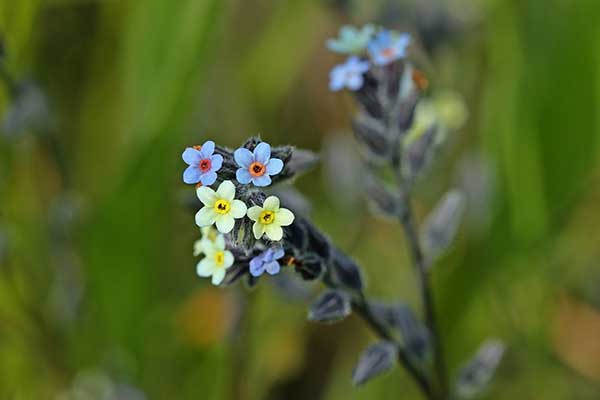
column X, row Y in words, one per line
column 310, row 266
column 418, row 154
column 383, row 199
column 300, row 162
column 415, row 335
column 371, row 133
column 442, row 224
column 474, row 377
column 344, row 271
column 376, row 360
column 406, row 112
column 368, row 97
column 332, row 306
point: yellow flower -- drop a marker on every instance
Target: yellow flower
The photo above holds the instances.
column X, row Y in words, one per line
column 269, row 219
column 220, row 207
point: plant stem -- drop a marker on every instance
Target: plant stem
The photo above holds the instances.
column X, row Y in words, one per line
column 362, row 308
column 407, row 222
column 406, row 219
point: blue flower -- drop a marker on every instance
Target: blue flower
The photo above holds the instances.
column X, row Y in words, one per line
column 351, row 40
column 203, row 165
column 256, row 167
column 349, row 74
column 386, row 47
column 266, row 261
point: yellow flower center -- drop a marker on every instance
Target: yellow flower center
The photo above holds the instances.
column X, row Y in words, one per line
column 267, row 217
column 222, row 206
column 219, row 258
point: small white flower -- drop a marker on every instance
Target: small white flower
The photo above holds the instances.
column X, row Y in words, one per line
column 269, row 219
column 220, row 207
column 208, row 234
column 216, row 260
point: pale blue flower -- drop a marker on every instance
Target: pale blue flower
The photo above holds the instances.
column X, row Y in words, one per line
column 258, row 166
column 387, row 47
column 351, row 40
column 266, row 261
column 349, row 74
column 203, row 165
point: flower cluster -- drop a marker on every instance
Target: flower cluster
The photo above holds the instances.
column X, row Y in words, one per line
column 367, row 47
column 236, row 201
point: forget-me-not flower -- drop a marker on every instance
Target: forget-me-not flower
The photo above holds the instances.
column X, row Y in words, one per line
column 220, row 207
column 258, row 166
column 349, row 74
column 209, row 234
column 203, row 164
column 266, row 261
column 216, row 260
column 387, row 47
column 351, row 40
column 269, row 219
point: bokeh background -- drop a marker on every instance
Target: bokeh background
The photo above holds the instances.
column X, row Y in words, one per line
column 98, row 293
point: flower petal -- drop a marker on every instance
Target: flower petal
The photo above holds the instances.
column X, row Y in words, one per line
column 262, row 152
column 208, row 178
column 336, row 78
column 206, row 216
column 278, row 253
column 242, row 175
column 274, row 166
column 243, row 157
column 198, row 247
column 254, row 212
column 258, row 229
column 226, row 190
column 228, row 259
column 273, row 232
column 191, row 174
column 225, row 223
column 272, row 268
column 261, row 181
column 216, row 162
column 206, row 195
column 208, row 148
column 208, row 246
column 191, row 156
column 271, row 203
column 284, row 217
column 355, row 82
column 257, row 266
column 217, row 276
column 238, row 209
column 219, row 242
column 205, row 267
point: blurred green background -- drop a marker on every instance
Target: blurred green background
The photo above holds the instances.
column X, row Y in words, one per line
column 98, row 293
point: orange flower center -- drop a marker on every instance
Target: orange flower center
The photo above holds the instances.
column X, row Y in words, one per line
column 389, row 52
column 257, row 169
column 197, row 148
column 204, row 165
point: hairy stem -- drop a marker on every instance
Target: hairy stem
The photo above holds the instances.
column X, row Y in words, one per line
column 426, row 295
column 406, row 219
